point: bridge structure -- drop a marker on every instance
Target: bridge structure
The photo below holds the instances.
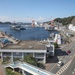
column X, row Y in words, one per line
column 25, row 67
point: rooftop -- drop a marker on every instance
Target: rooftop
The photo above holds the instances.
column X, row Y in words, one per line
column 36, row 45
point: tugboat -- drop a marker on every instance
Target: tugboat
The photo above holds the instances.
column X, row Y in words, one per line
column 17, row 27
column 22, row 28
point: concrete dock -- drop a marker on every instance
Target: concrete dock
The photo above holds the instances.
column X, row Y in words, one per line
column 10, row 38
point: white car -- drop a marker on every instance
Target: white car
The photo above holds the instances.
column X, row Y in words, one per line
column 60, row 63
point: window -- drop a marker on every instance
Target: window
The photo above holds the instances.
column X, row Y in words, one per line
column 40, row 59
column 49, row 48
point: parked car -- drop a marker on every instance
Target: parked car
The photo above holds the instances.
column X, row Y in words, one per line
column 60, row 63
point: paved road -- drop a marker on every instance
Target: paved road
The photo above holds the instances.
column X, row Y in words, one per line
column 71, row 69
column 64, row 58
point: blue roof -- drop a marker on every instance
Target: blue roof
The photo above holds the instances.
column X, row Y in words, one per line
column 4, row 40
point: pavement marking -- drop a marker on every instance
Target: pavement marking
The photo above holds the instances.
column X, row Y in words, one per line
column 53, row 67
column 68, row 56
column 63, row 68
column 72, row 43
column 64, row 65
column 48, row 67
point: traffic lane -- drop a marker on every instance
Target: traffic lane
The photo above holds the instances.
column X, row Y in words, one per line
column 69, row 46
column 64, row 59
column 55, row 69
column 51, row 62
column 49, row 66
column 72, row 50
column 68, row 56
column 71, row 69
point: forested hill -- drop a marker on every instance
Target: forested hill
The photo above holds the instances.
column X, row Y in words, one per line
column 66, row 20
column 15, row 23
column 5, row 22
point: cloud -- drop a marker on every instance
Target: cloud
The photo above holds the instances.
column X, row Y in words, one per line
column 4, row 18
column 41, row 19
column 18, row 19
column 29, row 18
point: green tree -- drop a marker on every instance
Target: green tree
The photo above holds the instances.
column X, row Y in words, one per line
column 30, row 59
column 66, row 20
column 56, row 45
column 73, row 21
column 7, row 59
column 58, row 20
column 40, row 65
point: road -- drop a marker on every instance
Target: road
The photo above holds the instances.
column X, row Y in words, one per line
column 71, row 69
column 65, row 58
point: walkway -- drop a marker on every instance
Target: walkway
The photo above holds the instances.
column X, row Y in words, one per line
column 30, row 68
column 2, row 71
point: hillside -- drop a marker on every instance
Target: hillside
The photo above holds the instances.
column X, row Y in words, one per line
column 66, row 20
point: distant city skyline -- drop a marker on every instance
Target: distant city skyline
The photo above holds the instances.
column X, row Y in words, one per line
column 38, row 10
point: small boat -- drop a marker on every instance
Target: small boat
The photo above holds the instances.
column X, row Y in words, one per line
column 22, row 28
column 17, row 27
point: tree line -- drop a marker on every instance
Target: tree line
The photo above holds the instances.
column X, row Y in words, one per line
column 66, row 20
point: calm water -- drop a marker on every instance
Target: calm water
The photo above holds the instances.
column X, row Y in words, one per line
column 28, row 34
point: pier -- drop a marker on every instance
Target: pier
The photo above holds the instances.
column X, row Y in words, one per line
column 10, row 38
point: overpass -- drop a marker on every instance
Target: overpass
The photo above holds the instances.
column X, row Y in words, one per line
column 29, row 68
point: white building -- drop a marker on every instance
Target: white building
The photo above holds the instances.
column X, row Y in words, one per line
column 48, row 27
column 39, row 50
column 71, row 27
column 57, row 38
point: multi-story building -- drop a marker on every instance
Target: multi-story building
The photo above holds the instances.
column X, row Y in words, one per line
column 39, row 49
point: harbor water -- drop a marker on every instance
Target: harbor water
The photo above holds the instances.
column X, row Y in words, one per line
column 31, row 33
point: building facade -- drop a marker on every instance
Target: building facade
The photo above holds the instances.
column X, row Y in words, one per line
column 39, row 50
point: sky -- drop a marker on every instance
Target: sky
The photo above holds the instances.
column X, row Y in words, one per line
column 39, row 10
